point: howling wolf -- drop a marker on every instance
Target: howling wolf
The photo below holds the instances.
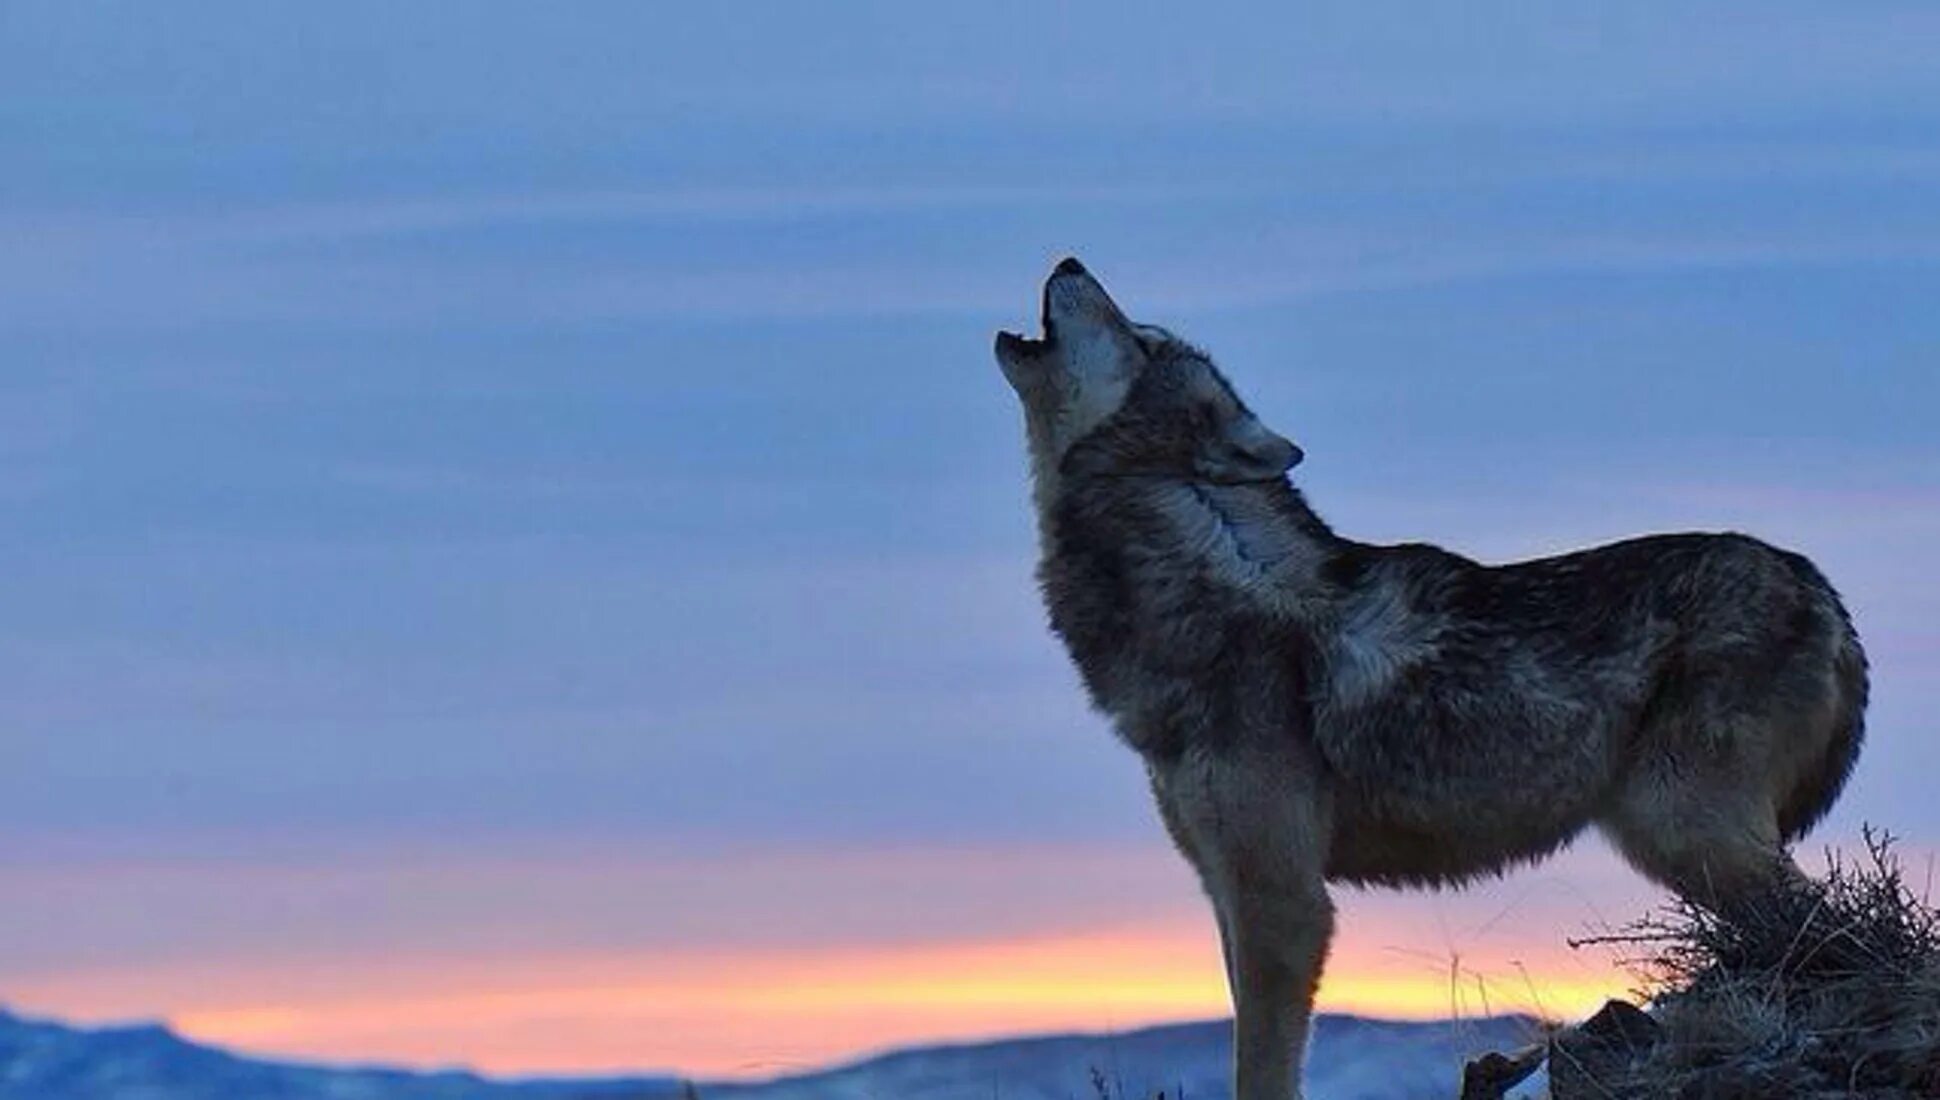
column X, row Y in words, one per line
column 1313, row 709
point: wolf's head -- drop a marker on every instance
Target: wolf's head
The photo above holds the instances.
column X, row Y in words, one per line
column 1103, row 394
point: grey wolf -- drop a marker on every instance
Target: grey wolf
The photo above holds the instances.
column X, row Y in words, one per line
column 1312, row 709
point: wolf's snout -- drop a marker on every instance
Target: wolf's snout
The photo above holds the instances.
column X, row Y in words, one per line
column 1073, row 297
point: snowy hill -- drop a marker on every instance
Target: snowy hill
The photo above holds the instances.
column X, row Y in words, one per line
column 1352, row 1059
column 48, row 1061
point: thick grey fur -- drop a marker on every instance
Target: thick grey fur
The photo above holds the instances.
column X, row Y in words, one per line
column 1311, row 708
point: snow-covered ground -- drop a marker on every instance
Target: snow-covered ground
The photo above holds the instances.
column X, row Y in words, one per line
column 1352, row 1059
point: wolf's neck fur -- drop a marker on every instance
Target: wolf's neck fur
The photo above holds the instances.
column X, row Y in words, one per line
column 1259, row 539
column 1151, row 581
column 1247, row 535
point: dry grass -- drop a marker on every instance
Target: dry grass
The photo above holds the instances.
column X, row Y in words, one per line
column 1820, row 992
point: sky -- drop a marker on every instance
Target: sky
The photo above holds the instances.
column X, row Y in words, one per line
column 515, row 552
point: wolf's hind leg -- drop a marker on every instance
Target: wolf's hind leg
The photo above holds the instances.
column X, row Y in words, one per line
column 1714, row 843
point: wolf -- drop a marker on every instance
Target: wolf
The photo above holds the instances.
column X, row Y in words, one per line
column 1313, row 710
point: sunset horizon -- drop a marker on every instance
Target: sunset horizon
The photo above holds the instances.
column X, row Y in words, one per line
column 753, row 1008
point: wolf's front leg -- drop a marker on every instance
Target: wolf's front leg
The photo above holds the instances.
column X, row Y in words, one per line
column 1278, row 937
column 1255, row 825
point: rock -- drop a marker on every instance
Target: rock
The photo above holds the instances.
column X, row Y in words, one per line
column 1620, row 1025
column 1492, row 1075
column 1601, row 1050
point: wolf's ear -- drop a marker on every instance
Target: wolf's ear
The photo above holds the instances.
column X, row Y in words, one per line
column 1250, row 451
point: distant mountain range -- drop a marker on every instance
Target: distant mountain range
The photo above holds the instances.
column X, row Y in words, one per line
column 1352, row 1059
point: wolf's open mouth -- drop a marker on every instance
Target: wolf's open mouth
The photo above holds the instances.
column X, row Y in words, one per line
column 1012, row 344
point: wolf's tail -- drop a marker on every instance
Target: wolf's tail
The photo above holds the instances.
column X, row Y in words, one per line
column 1820, row 786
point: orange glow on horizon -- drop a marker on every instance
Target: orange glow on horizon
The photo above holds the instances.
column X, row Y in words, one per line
column 574, row 962
column 757, row 1013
